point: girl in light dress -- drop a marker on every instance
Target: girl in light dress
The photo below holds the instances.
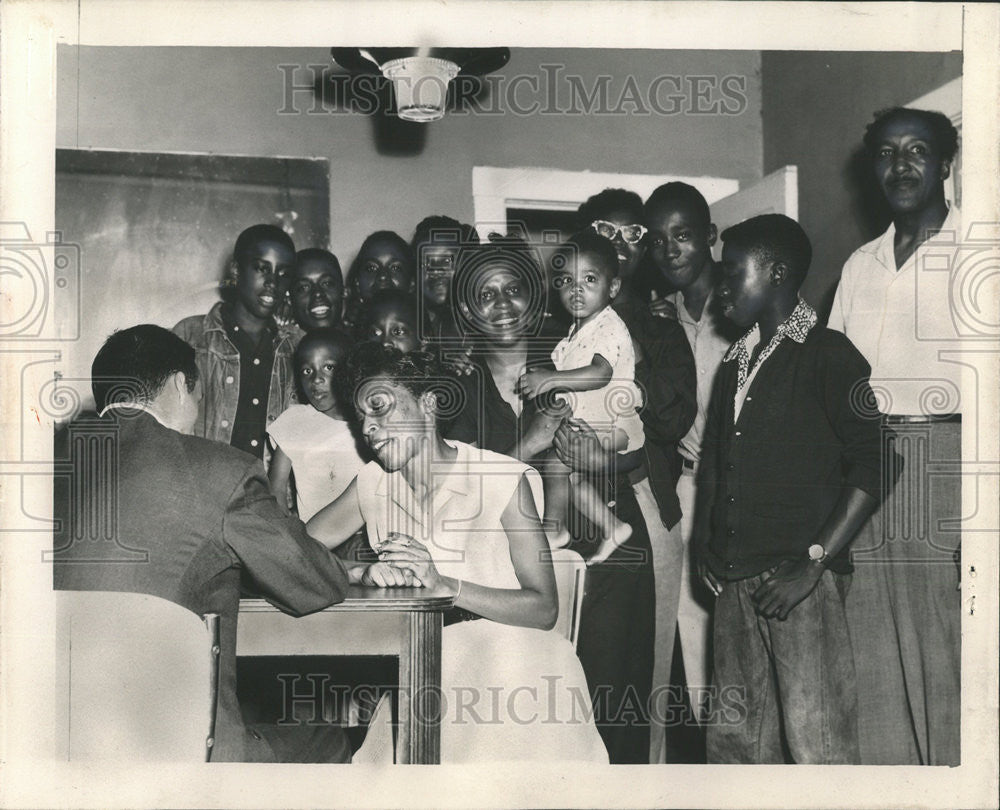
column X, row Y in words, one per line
column 313, row 444
column 447, row 515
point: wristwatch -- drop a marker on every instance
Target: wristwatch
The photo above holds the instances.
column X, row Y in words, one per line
column 818, row 554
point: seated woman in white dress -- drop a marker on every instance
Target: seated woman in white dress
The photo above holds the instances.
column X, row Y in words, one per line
column 448, row 515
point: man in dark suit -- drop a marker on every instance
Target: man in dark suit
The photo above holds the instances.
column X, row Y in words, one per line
column 189, row 520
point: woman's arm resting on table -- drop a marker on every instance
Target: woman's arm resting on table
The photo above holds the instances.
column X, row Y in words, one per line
column 338, row 520
column 534, row 604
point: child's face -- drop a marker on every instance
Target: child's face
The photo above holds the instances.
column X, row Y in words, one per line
column 316, row 368
column 317, row 291
column 744, row 289
column 584, row 286
column 391, row 327
column 907, row 164
column 629, row 253
column 437, row 266
column 680, row 244
column 260, row 273
column 383, row 267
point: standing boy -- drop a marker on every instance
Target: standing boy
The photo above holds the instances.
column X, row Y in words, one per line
column 680, row 239
column 244, row 360
column 893, row 302
column 790, row 469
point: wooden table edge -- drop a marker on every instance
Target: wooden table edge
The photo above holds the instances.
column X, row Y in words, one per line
column 361, row 598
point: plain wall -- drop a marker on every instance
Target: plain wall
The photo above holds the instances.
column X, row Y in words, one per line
column 815, row 108
column 227, row 100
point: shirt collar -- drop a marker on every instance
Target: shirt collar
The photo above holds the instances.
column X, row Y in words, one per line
column 456, row 481
column 593, row 325
column 795, row 327
column 131, row 406
column 707, row 313
column 229, row 321
column 885, row 249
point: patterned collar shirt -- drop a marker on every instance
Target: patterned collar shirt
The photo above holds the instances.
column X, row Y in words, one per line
column 796, row 327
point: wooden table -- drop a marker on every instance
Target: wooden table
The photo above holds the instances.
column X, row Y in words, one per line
column 405, row 622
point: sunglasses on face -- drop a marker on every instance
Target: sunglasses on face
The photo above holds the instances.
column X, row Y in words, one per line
column 631, row 234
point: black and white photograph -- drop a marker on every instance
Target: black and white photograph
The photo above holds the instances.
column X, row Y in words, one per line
column 524, row 390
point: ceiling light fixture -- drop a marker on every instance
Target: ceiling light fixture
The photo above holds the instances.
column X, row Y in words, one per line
column 420, row 77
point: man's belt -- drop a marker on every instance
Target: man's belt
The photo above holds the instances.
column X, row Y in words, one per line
column 922, row 419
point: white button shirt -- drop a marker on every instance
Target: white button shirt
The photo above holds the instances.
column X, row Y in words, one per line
column 708, row 347
column 902, row 322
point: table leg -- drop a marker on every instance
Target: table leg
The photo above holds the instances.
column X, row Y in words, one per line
column 420, row 690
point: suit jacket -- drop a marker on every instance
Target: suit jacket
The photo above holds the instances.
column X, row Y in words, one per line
column 189, row 520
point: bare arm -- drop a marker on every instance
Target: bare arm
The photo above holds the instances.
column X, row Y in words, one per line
column 586, row 378
column 533, row 604
column 795, row 579
column 278, row 473
column 585, row 450
column 338, row 520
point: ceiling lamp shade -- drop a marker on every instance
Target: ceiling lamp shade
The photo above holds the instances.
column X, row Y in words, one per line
column 420, row 77
column 421, row 86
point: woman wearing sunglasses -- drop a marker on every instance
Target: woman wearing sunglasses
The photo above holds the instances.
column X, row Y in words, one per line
column 619, row 640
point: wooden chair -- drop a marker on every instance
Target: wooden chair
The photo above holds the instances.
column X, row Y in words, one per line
column 138, row 677
column 570, row 571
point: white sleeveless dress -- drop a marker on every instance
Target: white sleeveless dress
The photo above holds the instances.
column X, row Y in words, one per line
column 509, row 693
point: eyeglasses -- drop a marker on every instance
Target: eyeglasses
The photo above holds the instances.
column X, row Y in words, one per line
column 631, row 234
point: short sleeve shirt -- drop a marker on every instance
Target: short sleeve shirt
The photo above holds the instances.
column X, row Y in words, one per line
column 615, row 403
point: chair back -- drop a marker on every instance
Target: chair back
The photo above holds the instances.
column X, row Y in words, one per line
column 570, row 571
column 138, row 677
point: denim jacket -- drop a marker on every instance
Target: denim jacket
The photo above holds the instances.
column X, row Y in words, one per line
column 219, row 367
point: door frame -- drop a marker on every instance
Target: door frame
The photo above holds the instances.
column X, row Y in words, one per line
column 496, row 189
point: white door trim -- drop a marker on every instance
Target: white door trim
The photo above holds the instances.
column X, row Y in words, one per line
column 495, row 189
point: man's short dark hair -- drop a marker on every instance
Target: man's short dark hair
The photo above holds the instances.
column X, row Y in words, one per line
column 773, row 238
column 134, row 364
column 315, row 254
column 322, row 335
column 607, row 202
column 680, row 195
column 945, row 134
column 404, row 303
column 439, row 229
column 390, row 237
column 256, row 234
column 587, row 241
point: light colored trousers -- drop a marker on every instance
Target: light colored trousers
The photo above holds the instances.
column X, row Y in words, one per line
column 676, row 607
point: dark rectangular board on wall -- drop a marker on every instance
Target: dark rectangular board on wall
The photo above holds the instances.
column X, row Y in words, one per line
column 156, row 230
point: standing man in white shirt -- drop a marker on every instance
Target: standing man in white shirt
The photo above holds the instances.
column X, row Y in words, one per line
column 893, row 302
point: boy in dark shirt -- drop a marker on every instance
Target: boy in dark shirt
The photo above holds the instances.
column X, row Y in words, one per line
column 244, row 359
column 790, row 470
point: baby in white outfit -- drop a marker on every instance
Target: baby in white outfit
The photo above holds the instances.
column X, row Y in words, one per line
column 595, row 375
